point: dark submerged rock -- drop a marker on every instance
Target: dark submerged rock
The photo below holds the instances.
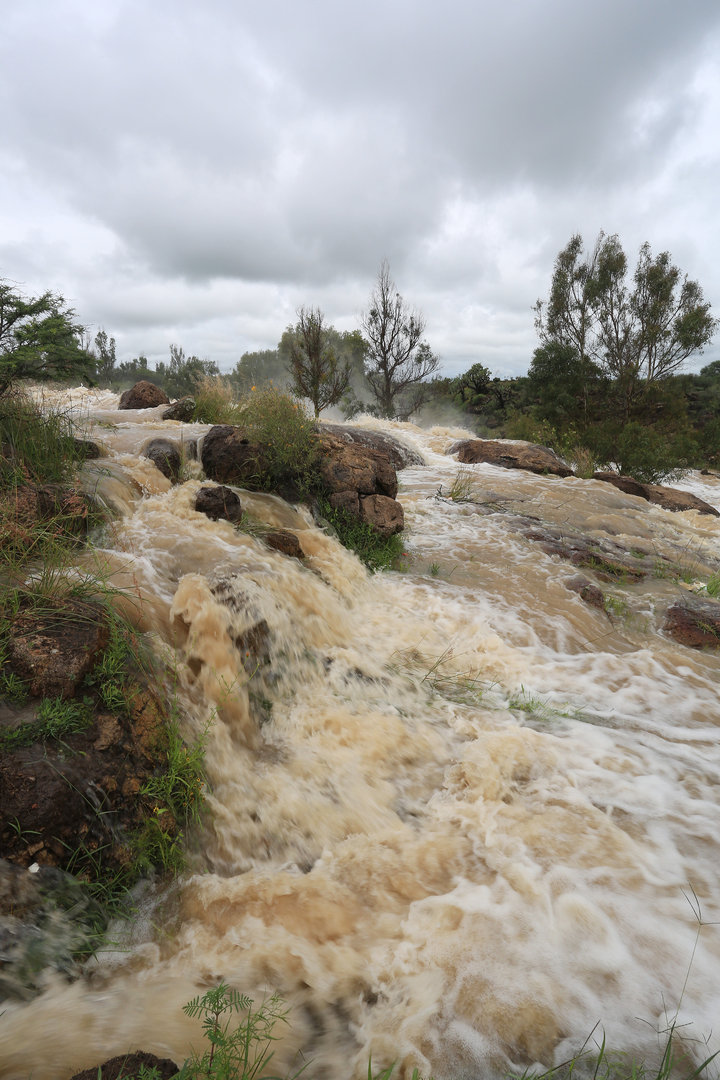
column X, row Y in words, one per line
column 165, row 455
column 88, row 448
column 588, row 592
column 284, row 541
column 694, row 621
column 143, row 395
column 218, row 502
column 181, row 410
column 533, row 458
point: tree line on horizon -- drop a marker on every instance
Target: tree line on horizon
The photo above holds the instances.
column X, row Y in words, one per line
column 606, row 375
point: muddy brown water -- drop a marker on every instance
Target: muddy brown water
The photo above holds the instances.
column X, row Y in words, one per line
column 464, row 833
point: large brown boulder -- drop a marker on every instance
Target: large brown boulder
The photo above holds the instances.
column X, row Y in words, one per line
column 229, row 457
column 533, row 458
column 694, row 622
column 393, row 449
column 165, row 455
column 54, row 648
column 351, row 466
column 669, row 498
column 385, row 515
column 143, row 395
column 285, row 541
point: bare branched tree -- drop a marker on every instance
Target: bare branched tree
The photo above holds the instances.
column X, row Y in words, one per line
column 318, row 372
column 398, row 359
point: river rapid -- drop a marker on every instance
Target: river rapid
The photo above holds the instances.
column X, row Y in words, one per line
column 466, row 830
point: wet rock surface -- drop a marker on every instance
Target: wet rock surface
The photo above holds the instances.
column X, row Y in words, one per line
column 53, row 648
column 533, row 458
column 143, row 395
column 346, row 500
column 385, row 515
column 694, row 621
column 284, row 541
column 229, row 457
column 348, row 466
column 30, row 504
column 165, row 455
column 608, row 560
column 669, row 498
column 127, row 1067
column 181, row 410
column 219, row 502
column 394, row 450
column 588, row 592
column 48, row 921
column 88, row 448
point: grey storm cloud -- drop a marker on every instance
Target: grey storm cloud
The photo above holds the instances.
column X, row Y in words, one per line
column 200, row 169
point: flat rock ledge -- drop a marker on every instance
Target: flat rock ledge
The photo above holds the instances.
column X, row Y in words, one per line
column 669, row 498
column 511, row 455
column 695, row 622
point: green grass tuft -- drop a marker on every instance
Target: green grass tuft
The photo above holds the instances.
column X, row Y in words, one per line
column 371, row 549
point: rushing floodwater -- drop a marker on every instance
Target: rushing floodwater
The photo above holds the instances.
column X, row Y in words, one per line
column 464, row 835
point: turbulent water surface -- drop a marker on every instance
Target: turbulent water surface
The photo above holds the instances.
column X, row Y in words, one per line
column 454, row 817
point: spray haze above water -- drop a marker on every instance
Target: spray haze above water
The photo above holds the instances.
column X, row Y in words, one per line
column 454, row 811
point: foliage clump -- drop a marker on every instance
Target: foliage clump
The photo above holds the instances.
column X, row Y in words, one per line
column 374, row 551
column 281, row 426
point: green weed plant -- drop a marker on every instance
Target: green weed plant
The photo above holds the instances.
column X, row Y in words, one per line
column 377, row 553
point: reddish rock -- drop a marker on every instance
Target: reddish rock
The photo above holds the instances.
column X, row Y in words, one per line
column 229, row 457
column 54, row 649
column 350, row 466
column 127, row 1067
column 346, row 500
column 384, row 514
column 218, row 502
column 391, row 448
column 676, row 500
column 284, row 541
column 143, row 395
column 622, row 483
column 533, row 458
column 694, row 622
column 669, row 498
column 165, row 455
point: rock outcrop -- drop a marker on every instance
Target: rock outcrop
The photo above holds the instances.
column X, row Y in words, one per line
column 218, row 502
column 54, row 648
column 350, row 466
column 669, row 498
column 694, row 621
column 181, row 410
column 229, row 457
column 165, row 455
column 396, row 451
column 509, row 455
column 608, row 560
column 385, row 515
column 143, row 395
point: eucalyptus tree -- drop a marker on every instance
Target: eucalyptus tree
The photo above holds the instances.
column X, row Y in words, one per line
column 635, row 332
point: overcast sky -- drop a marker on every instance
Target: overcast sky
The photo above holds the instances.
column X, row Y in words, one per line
column 191, row 172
